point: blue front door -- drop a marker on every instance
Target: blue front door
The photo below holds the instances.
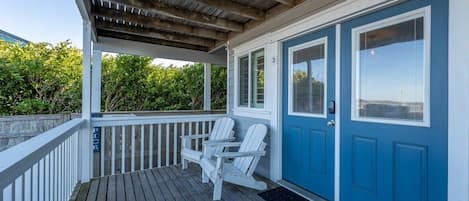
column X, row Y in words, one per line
column 394, row 104
column 308, row 108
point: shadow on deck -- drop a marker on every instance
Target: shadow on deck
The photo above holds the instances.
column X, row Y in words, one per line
column 167, row 183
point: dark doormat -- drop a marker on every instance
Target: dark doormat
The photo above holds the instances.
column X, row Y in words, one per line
column 280, row 194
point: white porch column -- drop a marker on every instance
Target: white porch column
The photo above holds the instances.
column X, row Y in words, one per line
column 85, row 143
column 207, row 87
column 96, row 82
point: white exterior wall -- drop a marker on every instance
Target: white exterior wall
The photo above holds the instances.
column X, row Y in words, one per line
column 458, row 128
column 458, row 101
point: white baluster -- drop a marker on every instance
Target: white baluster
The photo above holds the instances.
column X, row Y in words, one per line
column 123, row 150
column 175, row 143
column 159, row 145
column 103, row 138
column 132, row 159
column 197, row 139
column 150, row 149
column 167, row 144
column 113, row 150
column 142, row 145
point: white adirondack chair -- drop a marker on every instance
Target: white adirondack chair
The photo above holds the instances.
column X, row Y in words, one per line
column 241, row 169
column 222, row 131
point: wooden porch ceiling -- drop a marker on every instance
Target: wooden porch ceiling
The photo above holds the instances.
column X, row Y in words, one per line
column 190, row 24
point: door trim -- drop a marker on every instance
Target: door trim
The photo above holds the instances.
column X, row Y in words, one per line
column 338, row 38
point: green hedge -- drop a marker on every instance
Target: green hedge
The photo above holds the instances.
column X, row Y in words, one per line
column 44, row 78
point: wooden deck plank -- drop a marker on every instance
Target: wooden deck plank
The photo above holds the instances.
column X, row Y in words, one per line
column 102, row 188
column 139, row 196
column 181, row 183
column 83, row 192
column 163, row 178
column 194, row 174
column 229, row 191
column 170, row 184
column 199, row 190
column 111, row 188
column 147, row 189
column 120, row 190
column 167, row 195
column 163, row 184
column 129, row 188
column 93, row 192
column 156, row 189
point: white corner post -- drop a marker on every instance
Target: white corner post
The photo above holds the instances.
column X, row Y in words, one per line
column 85, row 140
column 96, row 82
column 458, row 101
column 207, row 87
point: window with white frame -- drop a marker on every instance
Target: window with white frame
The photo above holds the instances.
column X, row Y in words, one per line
column 307, row 78
column 391, row 71
column 251, row 72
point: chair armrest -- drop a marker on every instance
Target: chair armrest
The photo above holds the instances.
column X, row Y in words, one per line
column 191, row 137
column 239, row 154
column 221, row 143
column 222, row 156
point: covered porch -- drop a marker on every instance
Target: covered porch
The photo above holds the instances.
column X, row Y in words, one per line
column 128, row 157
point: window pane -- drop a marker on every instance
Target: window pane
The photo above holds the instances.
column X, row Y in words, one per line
column 243, row 81
column 309, row 76
column 257, row 79
column 391, row 72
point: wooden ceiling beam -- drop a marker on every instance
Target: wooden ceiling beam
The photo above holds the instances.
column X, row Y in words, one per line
column 124, row 36
column 121, row 28
column 182, row 14
column 271, row 13
column 236, row 8
column 156, row 23
column 286, row 2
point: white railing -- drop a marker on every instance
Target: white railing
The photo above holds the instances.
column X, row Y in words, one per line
column 137, row 143
column 44, row 167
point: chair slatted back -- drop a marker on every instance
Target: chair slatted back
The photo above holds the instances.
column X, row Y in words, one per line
column 253, row 141
column 222, row 130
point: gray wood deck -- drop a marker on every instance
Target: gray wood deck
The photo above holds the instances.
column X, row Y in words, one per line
column 167, row 183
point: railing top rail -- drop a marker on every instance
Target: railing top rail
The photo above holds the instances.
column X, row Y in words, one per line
column 17, row 159
column 143, row 120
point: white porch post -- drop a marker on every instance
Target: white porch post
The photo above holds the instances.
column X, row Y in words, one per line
column 207, row 87
column 85, row 144
column 96, row 82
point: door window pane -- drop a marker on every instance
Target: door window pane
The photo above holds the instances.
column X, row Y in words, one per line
column 391, row 72
column 243, row 81
column 257, row 79
column 308, row 79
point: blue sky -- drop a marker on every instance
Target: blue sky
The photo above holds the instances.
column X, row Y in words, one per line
column 49, row 21
column 393, row 72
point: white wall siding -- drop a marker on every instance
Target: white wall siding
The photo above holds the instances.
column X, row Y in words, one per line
column 458, row 107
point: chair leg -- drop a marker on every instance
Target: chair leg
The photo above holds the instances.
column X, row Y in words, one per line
column 184, row 163
column 204, row 177
column 217, row 188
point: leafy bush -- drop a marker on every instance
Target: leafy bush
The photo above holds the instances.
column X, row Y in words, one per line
column 45, row 78
column 32, row 106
